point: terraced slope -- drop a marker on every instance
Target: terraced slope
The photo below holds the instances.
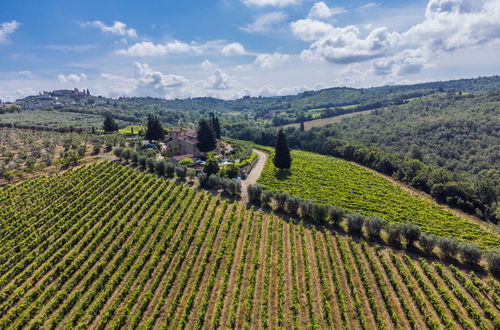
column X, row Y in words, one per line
column 105, row 246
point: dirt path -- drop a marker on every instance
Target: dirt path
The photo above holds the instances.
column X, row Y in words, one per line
column 254, row 174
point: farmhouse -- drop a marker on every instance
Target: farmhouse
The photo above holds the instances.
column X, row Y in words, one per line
column 182, row 142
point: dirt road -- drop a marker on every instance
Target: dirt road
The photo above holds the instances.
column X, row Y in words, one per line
column 254, row 174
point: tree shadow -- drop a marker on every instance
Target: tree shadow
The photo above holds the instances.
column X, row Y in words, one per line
column 283, row 174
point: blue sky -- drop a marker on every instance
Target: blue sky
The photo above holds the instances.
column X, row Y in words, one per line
column 232, row 48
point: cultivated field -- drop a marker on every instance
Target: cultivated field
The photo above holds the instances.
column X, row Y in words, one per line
column 334, row 181
column 329, row 120
column 107, row 246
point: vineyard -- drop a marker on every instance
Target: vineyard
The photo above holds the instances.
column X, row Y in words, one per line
column 334, row 181
column 105, row 246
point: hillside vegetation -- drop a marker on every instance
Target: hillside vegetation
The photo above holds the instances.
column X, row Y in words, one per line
column 107, row 246
column 453, row 132
column 334, row 181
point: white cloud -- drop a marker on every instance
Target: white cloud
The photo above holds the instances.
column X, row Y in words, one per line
column 148, row 48
column 269, row 61
column 146, row 77
column 309, row 29
column 6, row 29
column 454, row 24
column 118, row 28
column 321, row 11
column 271, row 3
column 369, row 5
column 264, row 23
column 406, row 62
column 219, row 80
column 233, row 49
column 27, row 74
column 345, row 45
column 72, row 78
column 206, row 64
column 71, row 48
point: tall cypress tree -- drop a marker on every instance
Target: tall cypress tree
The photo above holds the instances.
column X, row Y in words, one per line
column 217, row 127
column 282, row 158
column 154, row 130
column 206, row 137
column 110, row 124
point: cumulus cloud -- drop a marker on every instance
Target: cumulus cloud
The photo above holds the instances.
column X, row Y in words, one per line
column 346, row 45
column 454, row 24
column 269, row 61
column 71, row 78
column 321, row 11
column 310, row 29
column 206, row 64
column 118, row 28
column 148, row 48
column 219, row 80
column 271, row 3
column 6, row 29
column 233, row 49
column 264, row 23
column 146, row 77
column 406, row 62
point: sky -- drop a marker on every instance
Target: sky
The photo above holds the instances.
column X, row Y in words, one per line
column 232, row 48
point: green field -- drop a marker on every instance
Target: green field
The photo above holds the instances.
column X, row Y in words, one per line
column 334, row 181
column 135, row 129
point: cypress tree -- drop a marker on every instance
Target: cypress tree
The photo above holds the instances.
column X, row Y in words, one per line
column 302, row 128
column 282, row 158
column 206, row 137
column 154, row 130
column 110, row 124
column 217, row 127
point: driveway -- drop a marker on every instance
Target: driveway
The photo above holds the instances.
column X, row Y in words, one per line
column 254, row 174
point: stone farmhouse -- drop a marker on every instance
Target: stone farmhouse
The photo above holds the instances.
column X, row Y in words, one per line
column 182, row 142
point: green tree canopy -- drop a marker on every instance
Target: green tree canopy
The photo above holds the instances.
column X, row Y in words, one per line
column 211, row 165
column 282, row 158
column 154, row 129
column 109, row 124
column 206, row 137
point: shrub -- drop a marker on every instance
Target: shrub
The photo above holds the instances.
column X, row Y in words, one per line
column 280, row 198
column 151, row 163
column 191, row 173
column 305, row 206
column 428, row 242
column 202, row 178
column 181, row 172
column 118, row 152
column 169, row 169
column 265, row 197
column 410, row 232
column 335, row 214
column 254, row 192
column 394, row 232
column 319, row 213
column 470, row 253
column 214, row 181
column 448, row 246
column 355, row 222
column 374, row 225
column 493, row 258
column 142, row 161
column 134, row 156
column 292, row 205
column 186, row 162
column 125, row 154
column 160, row 167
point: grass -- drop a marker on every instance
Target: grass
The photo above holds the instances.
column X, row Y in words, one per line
column 334, row 181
